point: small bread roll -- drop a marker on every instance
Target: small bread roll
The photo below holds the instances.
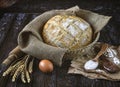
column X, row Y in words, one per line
column 66, row 31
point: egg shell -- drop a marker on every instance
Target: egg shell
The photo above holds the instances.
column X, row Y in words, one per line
column 46, row 66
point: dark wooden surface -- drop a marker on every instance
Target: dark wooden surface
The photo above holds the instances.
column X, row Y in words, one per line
column 14, row 18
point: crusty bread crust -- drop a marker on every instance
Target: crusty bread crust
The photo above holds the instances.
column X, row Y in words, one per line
column 67, row 32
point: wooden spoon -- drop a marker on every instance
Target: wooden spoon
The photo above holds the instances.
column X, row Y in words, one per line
column 93, row 64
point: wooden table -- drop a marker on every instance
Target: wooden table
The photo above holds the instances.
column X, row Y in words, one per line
column 14, row 18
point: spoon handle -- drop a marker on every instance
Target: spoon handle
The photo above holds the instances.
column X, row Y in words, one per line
column 103, row 49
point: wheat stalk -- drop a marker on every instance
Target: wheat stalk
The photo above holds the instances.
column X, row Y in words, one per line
column 17, row 72
column 23, row 77
column 30, row 67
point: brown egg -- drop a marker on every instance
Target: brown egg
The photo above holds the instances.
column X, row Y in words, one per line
column 46, row 66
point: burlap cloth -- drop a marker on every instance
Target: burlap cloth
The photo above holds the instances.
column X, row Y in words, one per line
column 99, row 73
column 31, row 42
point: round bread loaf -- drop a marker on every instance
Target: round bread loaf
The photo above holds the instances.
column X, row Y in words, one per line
column 67, row 32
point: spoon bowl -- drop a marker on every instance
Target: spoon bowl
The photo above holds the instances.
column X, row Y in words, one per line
column 93, row 64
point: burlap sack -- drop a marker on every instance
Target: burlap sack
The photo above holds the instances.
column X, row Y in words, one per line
column 77, row 65
column 31, row 42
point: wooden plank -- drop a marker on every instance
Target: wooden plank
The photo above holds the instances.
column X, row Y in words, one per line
column 36, row 6
column 59, row 77
column 16, row 23
column 4, row 25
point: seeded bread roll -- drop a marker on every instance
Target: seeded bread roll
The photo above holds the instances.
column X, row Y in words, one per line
column 67, row 32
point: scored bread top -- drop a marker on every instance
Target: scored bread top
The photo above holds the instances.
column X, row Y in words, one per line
column 67, row 32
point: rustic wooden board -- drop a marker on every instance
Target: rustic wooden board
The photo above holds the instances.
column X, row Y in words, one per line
column 14, row 18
